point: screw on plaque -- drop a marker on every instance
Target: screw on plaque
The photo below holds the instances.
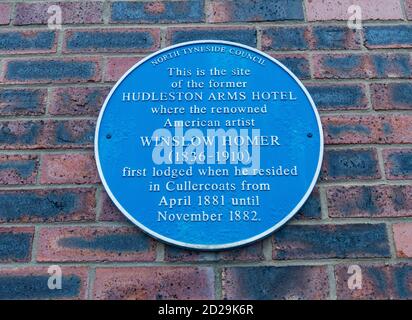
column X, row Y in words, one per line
column 310, row 135
column 108, row 136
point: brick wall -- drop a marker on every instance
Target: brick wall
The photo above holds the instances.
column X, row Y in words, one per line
column 53, row 209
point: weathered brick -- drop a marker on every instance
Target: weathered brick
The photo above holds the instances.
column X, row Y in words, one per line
column 76, row 101
column 342, row 66
column 311, row 209
column 402, row 233
column 367, row 129
column 15, row 244
column 116, row 67
column 369, row 66
column 64, row 70
column 86, row 12
column 391, row 96
column 396, row 36
column 321, row 10
column 154, row 283
column 314, row 38
column 18, row 169
column 408, row 9
column 68, row 134
column 20, row 134
column 40, row 134
column 297, row 63
column 47, row 205
column 31, row 283
column 16, row 102
column 331, row 241
column 95, row 244
column 273, row 283
column 255, row 10
column 236, row 34
column 253, row 252
column 330, row 97
column 280, row 38
column 109, row 211
column 64, row 168
column 112, row 40
column 16, row 42
column 5, row 13
column 392, row 65
column 157, row 11
column 369, row 201
column 348, row 164
column 378, row 282
column 398, row 163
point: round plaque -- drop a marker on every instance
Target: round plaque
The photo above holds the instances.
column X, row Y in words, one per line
column 209, row 144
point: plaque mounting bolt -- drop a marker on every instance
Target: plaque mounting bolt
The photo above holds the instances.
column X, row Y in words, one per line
column 310, row 135
column 108, row 136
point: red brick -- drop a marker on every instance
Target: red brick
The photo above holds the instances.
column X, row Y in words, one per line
column 27, row 102
column 76, row 101
column 391, row 96
column 5, row 13
column 297, row 63
column 154, row 283
column 111, row 40
column 367, row 129
column 369, row 201
column 350, row 164
column 109, row 211
column 252, row 252
column 273, row 283
column 31, row 283
column 402, row 233
column 28, row 41
column 398, row 163
column 59, row 70
column 16, row 244
column 369, row 66
column 339, row 241
column 51, row 205
column 320, row 10
column 18, row 169
column 86, row 12
column 68, row 168
column 378, row 282
column 116, row 67
column 95, row 244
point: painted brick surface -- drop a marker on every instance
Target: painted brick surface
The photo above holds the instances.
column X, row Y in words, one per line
column 370, row 201
column 22, row 102
column 154, row 283
column 49, row 205
column 268, row 283
column 54, row 209
column 18, row 169
column 157, row 12
column 331, row 241
column 391, row 96
column 94, row 244
column 218, row 11
column 29, row 283
column 242, row 35
column 398, row 163
column 15, row 244
column 112, row 40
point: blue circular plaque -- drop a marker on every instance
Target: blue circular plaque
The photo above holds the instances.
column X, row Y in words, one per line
column 209, row 144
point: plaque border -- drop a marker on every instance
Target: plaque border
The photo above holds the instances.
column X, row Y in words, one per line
column 202, row 246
